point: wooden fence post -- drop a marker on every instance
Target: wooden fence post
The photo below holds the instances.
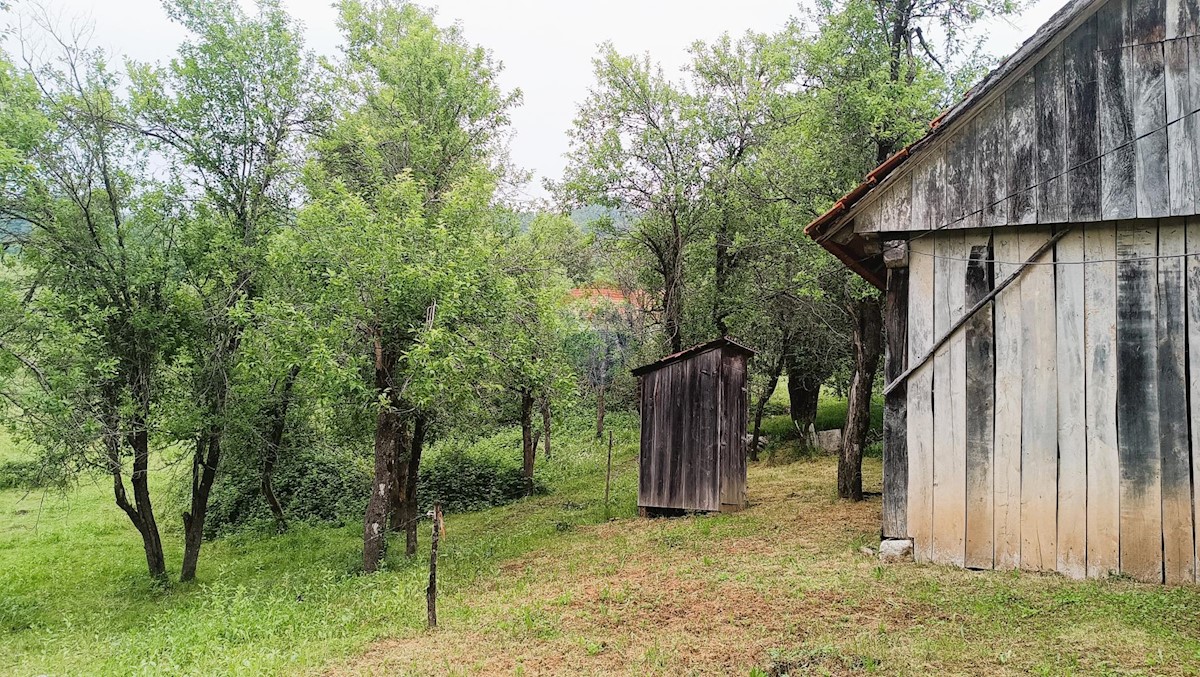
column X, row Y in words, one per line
column 431, row 591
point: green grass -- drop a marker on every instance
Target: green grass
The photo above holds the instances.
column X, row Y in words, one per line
column 75, row 598
column 547, row 585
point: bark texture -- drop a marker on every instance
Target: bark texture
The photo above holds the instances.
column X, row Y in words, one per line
column 868, row 347
column 527, row 440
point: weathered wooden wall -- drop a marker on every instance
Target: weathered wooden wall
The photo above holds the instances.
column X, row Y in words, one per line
column 692, row 436
column 1102, row 124
column 1053, row 431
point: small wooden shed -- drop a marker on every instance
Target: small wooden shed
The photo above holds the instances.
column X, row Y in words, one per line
column 1040, row 251
column 693, row 451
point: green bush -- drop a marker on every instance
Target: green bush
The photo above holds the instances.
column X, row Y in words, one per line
column 465, row 477
column 313, row 485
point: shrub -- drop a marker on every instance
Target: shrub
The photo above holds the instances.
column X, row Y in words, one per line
column 314, row 485
column 465, row 477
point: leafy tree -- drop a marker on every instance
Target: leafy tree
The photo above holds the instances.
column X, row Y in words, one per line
column 636, row 147
column 399, row 237
column 229, row 109
column 90, row 306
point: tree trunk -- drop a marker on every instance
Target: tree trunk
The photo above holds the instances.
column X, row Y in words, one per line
column 274, row 444
column 204, row 474
column 772, row 383
column 527, row 440
column 410, row 486
column 600, row 413
column 546, row 425
column 396, row 506
column 141, row 511
column 868, row 346
column 804, row 391
column 389, row 430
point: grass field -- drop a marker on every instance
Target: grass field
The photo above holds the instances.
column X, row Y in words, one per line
column 546, row 585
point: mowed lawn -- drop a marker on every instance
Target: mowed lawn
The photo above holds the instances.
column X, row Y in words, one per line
column 546, row 585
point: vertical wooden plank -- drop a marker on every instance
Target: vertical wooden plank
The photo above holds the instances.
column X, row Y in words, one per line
column 1072, row 425
column 993, row 167
column 1148, row 20
column 920, row 397
column 1051, row 108
column 1149, row 119
column 980, row 403
column 1178, row 544
column 1117, row 177
column 949, row 412
column 895, row 407
column 646, row 449
column 919, row 210
column 937, row 194
column 1178, row 79
column 1100, row 353
column 1193, row 347
column 1083, row 130
column 954, row 177
column 1182, row 18
column 1194, row 72
column 901, row 216
column 1020, row 111
column 1182, row 166
column 1039, row 421
column 1006, row 449
column 1138, row 402
column 1113, row 24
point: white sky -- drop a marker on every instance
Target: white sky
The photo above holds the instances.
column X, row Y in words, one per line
column 546, row 45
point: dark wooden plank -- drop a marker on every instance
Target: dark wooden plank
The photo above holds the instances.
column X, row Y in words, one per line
column 1072, row 424
column 1178, row 546
column 938, row 208
column 1112, row 24
column 1153, row 186
column 1021, row 113
column 646, row 450
column 1149, row 80
column 1083, row 128
column 1115, row 113
column 1178, row 79
column 1182, row 166
column 1138, row 402
column 1039, row 423
column 1118, row 194
column 1194, row 72
column 1148, row 20
column 1083, row 192
column 1100, row 350
column 993, row 167
column 1050, row 94
column 1079, row 67
column 895, row 407
column 980, row 405
column 954, row 178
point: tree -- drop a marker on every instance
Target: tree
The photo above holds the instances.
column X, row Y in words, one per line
column 636, row 147
column 229, row 109
column 91, row 326
column 399, row 236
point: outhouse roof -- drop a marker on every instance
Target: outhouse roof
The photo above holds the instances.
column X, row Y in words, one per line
column 723, row 342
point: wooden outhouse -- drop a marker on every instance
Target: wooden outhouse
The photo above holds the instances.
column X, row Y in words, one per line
column 693, row 450
column 1040, row 252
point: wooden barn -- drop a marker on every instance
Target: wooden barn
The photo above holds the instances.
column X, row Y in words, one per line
column 1040, row 252
column 693, row 451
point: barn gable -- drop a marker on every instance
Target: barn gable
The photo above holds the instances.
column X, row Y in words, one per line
column 1094, row 118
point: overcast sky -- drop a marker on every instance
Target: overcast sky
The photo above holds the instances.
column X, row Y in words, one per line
column 546, row 45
